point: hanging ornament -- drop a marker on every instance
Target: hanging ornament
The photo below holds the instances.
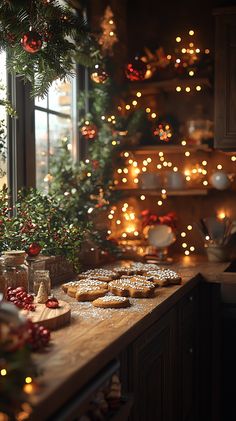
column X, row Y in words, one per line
column 136, row 70
column 99, row 75
column 31, row 42
column 220, row 180
column 163, row 131
column 33, row 250
column 89, row 131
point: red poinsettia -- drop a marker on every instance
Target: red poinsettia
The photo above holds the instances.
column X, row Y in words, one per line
column 149, row 218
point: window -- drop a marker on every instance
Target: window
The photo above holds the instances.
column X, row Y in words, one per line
column 3, row 121
column 55, row 119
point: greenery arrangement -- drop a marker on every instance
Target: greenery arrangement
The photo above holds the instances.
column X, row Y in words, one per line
column 43, row 39
column 39, row 219
column 3, row 130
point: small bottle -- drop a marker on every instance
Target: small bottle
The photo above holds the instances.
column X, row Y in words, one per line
column 40, row 276
column 16, row 269
column 3, row 281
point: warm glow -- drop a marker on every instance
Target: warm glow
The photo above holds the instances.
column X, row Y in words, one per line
column 191, row 73
column 138, row 94
column 136, row 180
column 205, row 183
column 28, row 388
column 207, row 51
column 118, row 221
column 178, row 88
column 186, row 252
column 175, row 169
column 207, row 237
column 219, row 167
column 125, row 170
column 221, row 214
column 153, row 115
column 184, row 245
column 198, row 88
column 136, row 233
column 134, row 103
column 159, row 202
column 187, row 89
column 161, row 153
column 189, row 227
column 183, row 143
column 183, row 50
column 124, row 180
column 192, row 248
column 163, row 191
column 127, row 107
column 148, row 110
column 178, row 39
column 3, row 372
column 187, row 153
column 108, row 232
column 233, row 158
column 142, row 197
column 28, row 380
column 191, row 32
column 204, row 163
column 149, row 160
column 183, row 234
column 126, row 154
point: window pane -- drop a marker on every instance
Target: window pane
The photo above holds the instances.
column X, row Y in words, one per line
column 60, row 97
column 3, row 121
column 41, row 141
column 41, row 102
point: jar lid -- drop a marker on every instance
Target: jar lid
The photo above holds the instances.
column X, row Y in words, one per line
column 14, row 253
column 14, row 257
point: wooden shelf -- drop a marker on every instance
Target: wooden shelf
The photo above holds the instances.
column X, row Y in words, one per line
column 150, row 88
column 170, row 149
column 186, row 192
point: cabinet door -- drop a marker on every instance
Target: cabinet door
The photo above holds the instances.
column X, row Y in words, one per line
column 188, row 356
column 225, row 80
column 153, row 371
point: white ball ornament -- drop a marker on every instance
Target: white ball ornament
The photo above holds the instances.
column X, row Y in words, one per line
column 220, row 180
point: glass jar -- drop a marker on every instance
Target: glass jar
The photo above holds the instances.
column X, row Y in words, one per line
column 16, row 269
column 40, row 276
column 3, row 281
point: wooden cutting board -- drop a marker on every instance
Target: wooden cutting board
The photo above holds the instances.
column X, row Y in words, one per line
column 51, row 318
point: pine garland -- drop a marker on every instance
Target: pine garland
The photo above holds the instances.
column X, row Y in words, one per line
column 65, row 40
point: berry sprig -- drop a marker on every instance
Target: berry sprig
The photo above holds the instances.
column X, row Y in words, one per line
column 20, row 298
column 39, row 336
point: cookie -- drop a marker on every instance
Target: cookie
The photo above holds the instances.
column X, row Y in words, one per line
column 72, row 289
column 89, row 293
column 164, row 277
column 143, row 267
column 124, row 271
column 68, row 284
column 105, row 275
column 110, row 301
column 126, row 287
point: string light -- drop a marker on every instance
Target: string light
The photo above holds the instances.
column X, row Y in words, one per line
column 108, row 232
column 178, row 39
column 3, row 372
column 219, row 167
column 233, row 158
column 160, row 203
column 28, row 380
column 153, row 115
column 127, row 107
column 191, row 32
column 126, row 154
column 187, row 89
column 198, row 88
column 136, row 180
column 205, row 183
column 134, row 103
column 189, row 227
column 192, row 248
column 204, row 163
column 183, row 234
column 124, row 180
column 175, row 169
column 183, row 143
column 138, row 94
column 178, row 88
column 186, row 253
column 148, row 110
column 142, row 197
column 187, row 153
column 184, row 245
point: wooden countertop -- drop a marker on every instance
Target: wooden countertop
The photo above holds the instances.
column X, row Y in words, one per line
column 96, row 336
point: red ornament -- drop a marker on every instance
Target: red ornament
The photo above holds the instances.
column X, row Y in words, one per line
column 52, row 303
column 33, row 250
column 163, row 131
column 99, row 75
column 136, row 70
column 31, row 42
column 89, row 131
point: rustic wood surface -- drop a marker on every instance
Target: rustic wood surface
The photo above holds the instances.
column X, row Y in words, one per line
column 52, row 318
column 95, row 336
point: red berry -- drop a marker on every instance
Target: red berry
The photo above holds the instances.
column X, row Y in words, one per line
column 20, row 289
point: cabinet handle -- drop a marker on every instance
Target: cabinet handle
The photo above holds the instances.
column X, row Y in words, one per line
column 191, row 298
column 190, row 350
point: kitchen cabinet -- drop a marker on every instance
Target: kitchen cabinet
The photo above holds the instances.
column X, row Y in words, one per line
column 153, row 370
column 172, row 370
column 225, row 78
